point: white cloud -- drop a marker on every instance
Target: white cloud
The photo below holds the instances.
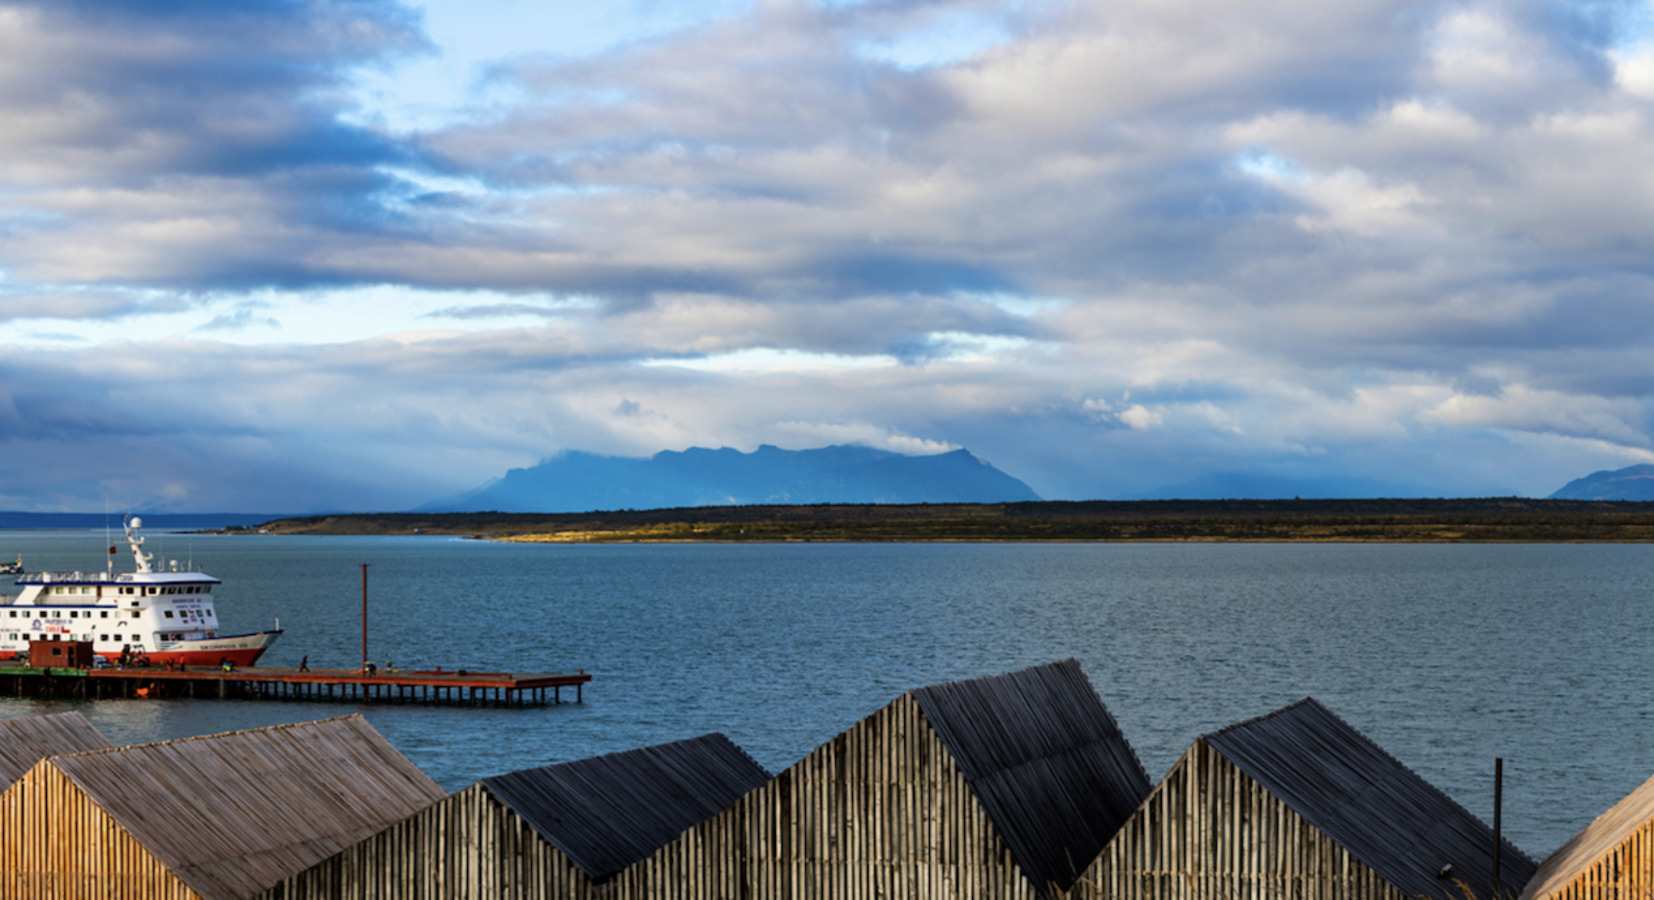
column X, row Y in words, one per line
column 1161, row 234
column 1614, row 421
column 1139, row 417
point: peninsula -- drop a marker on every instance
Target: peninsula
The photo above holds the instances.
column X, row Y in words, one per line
column 1499, row 519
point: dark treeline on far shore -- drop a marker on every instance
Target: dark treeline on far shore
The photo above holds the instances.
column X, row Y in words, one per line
column 1446, row 520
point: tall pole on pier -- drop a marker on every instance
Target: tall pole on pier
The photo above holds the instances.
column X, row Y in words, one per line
column 1498, row 812
column 364, row 618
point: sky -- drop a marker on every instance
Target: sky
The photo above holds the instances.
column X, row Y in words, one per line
column 278, row 256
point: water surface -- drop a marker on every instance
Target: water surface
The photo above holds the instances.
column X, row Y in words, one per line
column 1446, row 655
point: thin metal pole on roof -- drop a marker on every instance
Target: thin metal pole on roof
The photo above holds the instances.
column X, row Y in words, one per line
column 1498, row 810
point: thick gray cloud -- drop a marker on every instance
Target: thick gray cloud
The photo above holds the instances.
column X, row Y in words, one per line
column 191, row 144
column 1109, row 246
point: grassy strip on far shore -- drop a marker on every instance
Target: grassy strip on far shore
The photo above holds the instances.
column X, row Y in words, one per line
column 1191, row 530
column 1498, row 519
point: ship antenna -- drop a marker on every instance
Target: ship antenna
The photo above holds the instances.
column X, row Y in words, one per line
column 139, row 557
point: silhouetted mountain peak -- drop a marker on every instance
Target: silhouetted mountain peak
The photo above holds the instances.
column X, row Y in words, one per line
column 1629, row 483
column 698, row 476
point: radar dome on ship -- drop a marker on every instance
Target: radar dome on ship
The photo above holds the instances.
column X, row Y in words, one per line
column 137, row 522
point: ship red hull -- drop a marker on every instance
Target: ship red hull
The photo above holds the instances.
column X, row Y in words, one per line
column 242, row 650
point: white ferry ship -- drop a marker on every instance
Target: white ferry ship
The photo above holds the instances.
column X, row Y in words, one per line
column 140, row 616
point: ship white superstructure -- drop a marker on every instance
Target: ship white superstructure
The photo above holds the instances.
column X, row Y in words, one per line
column 145, row 615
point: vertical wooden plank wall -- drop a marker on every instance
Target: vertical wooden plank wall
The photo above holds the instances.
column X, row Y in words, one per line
column 1209, row 831
column 466, row 847
column 55, row 844
column 1625, row 873
column 880, row 811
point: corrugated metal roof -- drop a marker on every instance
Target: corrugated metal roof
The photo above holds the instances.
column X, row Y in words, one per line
column 231, row 814
column 1593, row 842
column 28, row 740
column 1045, row 758
column 1395, row 822
column 609, row 812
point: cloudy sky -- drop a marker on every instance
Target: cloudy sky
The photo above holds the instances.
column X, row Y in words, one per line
column 284, row 256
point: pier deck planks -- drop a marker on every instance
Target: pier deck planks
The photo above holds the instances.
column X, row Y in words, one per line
column 461, row 687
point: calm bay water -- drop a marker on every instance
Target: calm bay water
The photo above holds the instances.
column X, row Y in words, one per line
column 1447, row 656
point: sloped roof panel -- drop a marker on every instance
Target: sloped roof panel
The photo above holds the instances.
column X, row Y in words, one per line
column 1388, row 817
column 231, row 814
column 609, row 812
column 1046, row 760
column 28, row 740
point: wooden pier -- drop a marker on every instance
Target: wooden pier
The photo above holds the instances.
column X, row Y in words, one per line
column 433, row 687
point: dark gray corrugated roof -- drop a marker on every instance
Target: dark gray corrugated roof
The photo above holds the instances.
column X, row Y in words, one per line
column 232, row 814
column 609, row 812
column 1379, row 810
column 1046, row 760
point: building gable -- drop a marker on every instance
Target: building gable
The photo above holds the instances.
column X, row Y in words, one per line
column 881, row 810
column 1046, row 760
column 1610, row 859
column 231, row 814
column 56, row 842
column 1209, row 830
column 467, row 846
column 1387, row 816
column 608, row 812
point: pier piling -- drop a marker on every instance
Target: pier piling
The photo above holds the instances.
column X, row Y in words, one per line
column 499, row 689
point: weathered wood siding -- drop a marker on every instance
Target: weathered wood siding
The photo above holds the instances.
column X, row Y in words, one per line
column 1610, row 859
column 469, row 846
column 56, row 844
column 1625, row 872
column 1208, row 831
column 881, row 811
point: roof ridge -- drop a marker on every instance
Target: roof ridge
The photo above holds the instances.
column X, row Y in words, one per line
column 214, row 735
column 1269, row 715
column 943, row 684
column 631, row 751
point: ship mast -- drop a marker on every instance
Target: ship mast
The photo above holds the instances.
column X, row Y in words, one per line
column 137, row 544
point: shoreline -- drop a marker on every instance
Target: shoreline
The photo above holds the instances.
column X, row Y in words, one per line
column 1495, row 520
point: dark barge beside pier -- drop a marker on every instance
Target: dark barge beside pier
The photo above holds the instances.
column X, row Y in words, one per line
column 437, row 687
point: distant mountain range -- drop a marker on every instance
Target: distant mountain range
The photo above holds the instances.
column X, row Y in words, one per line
column 1630, row 483
column 581, row 482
